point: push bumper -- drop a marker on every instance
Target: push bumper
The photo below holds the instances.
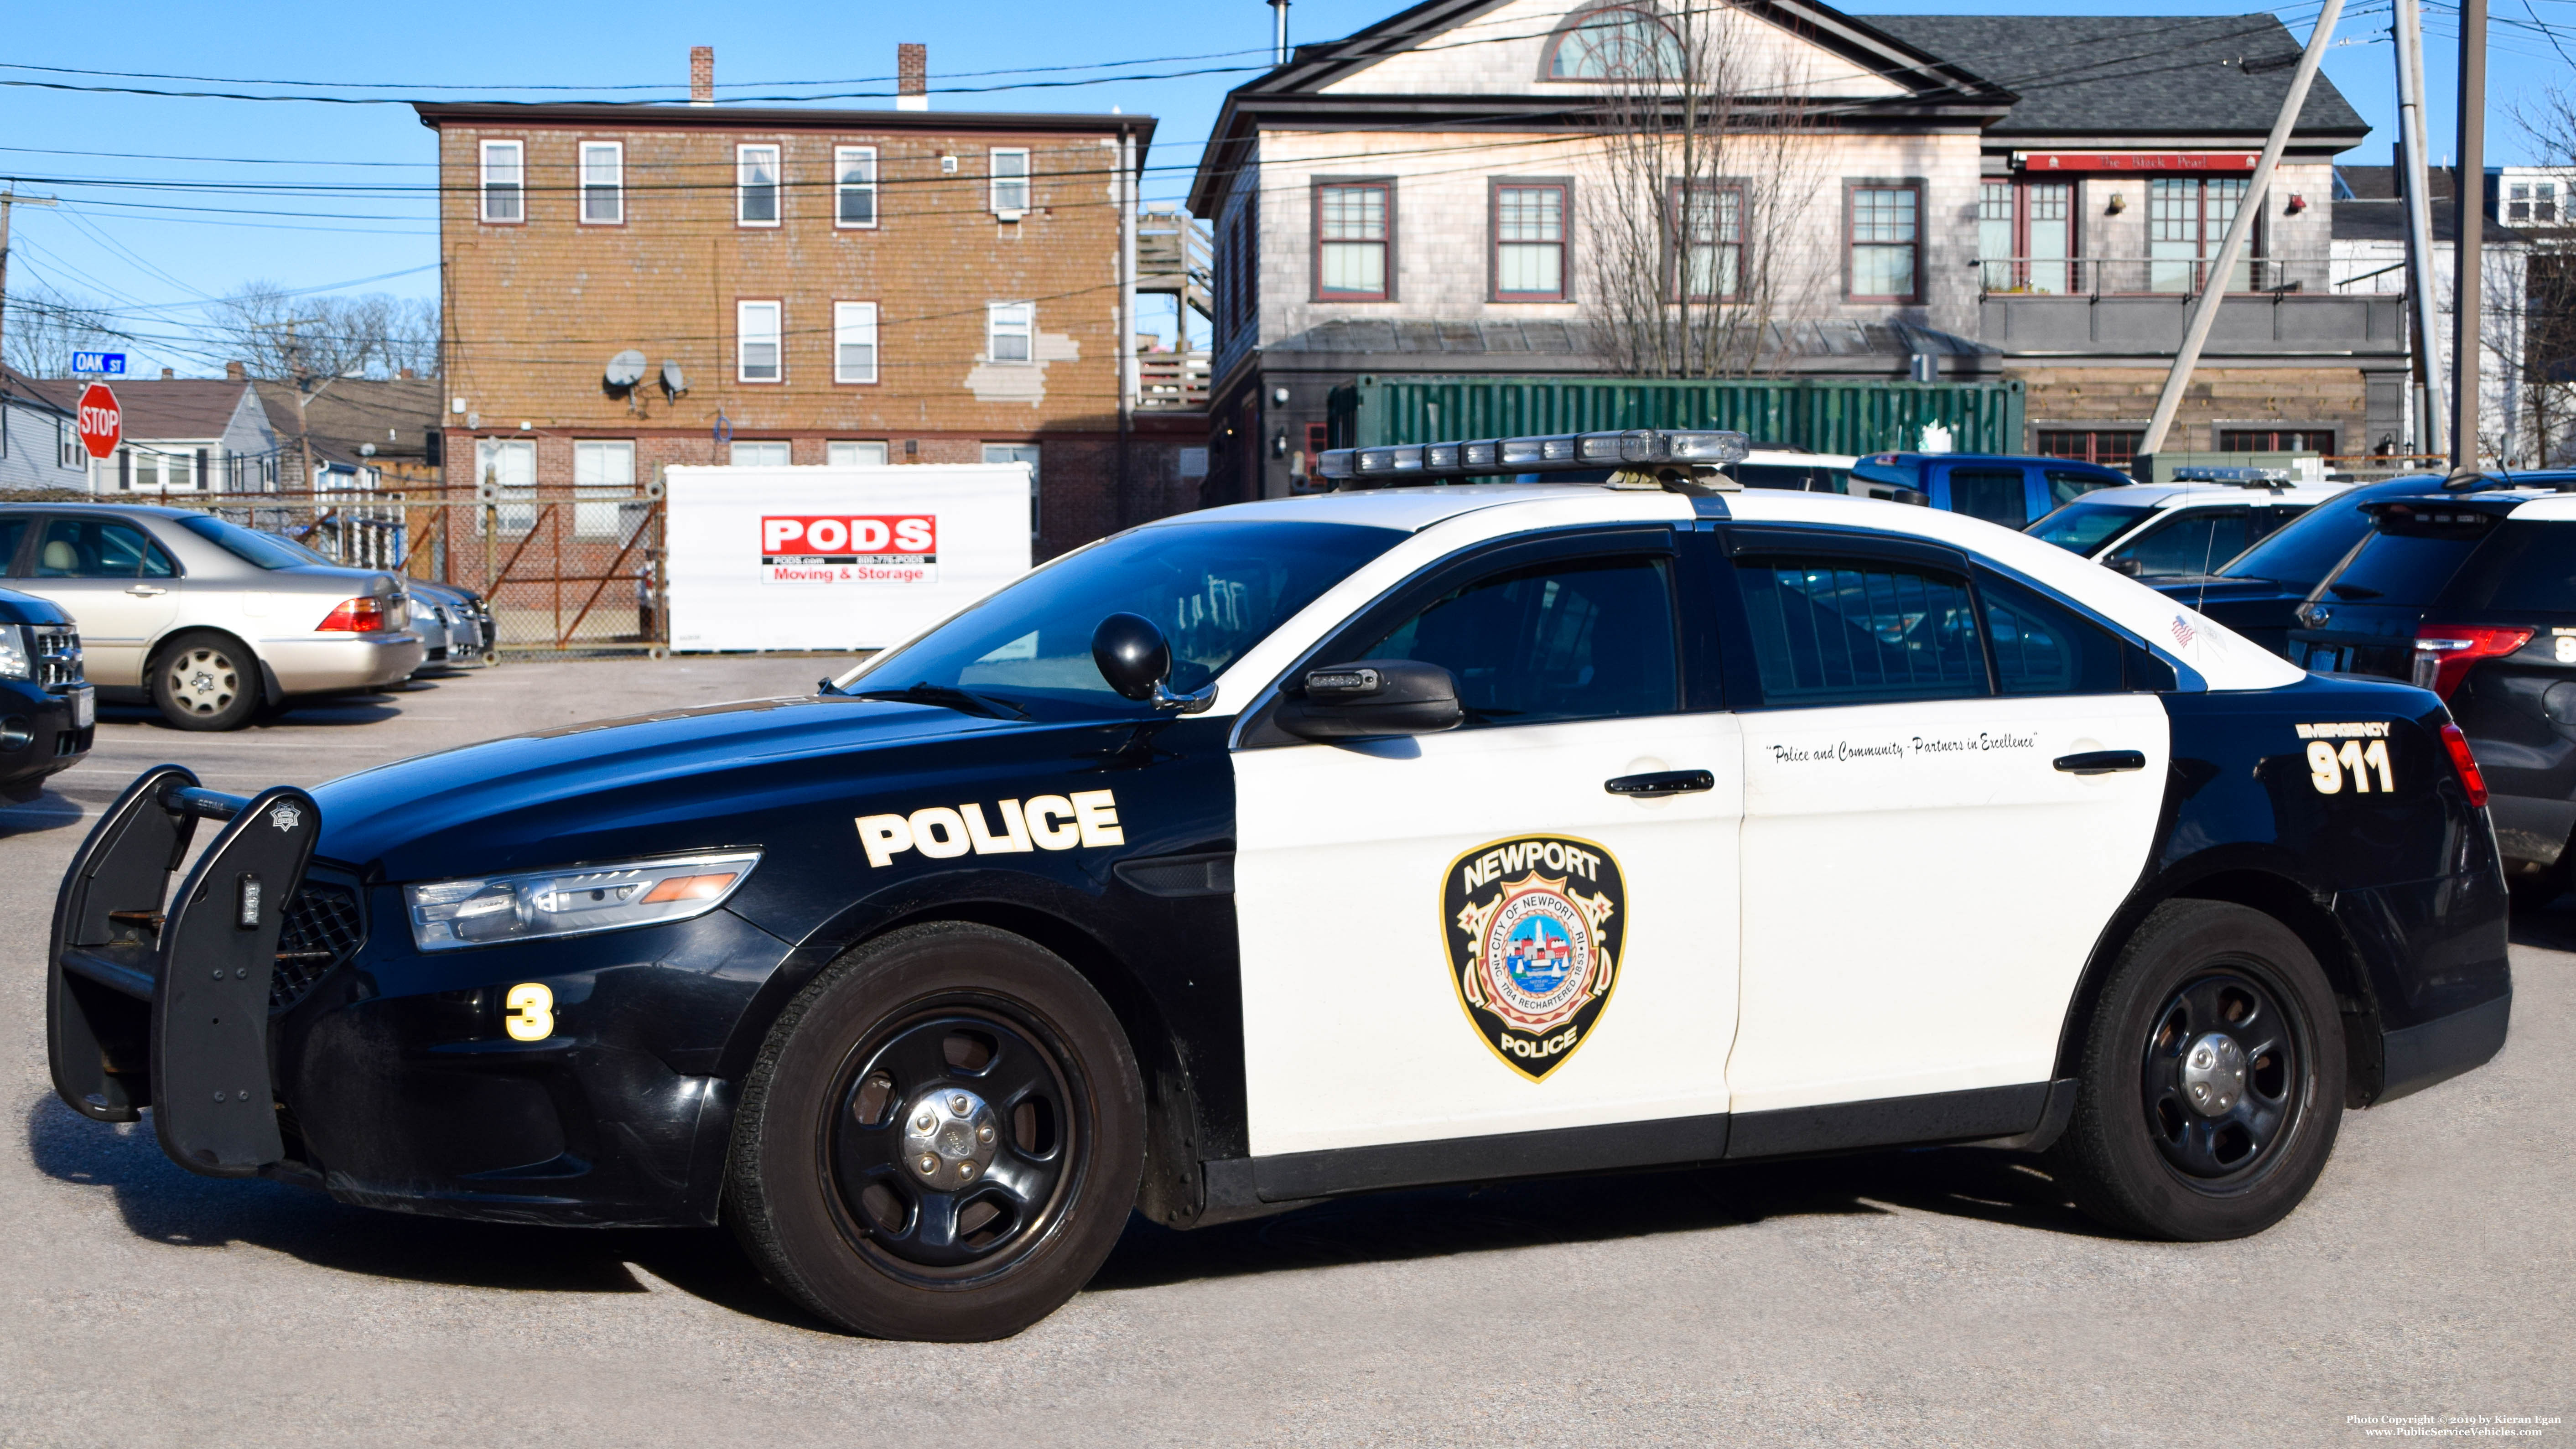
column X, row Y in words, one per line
column 169, row 1007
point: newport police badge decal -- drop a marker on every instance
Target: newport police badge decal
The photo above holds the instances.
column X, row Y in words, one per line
column 1534, row 926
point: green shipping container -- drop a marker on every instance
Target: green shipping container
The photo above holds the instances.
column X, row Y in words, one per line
column 1823, row 416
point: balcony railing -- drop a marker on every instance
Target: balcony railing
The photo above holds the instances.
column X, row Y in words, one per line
column 1169, row 380
column 2145, row 276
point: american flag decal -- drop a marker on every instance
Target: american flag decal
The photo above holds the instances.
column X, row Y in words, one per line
column 2183, row 632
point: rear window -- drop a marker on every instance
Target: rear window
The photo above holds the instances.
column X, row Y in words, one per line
column 253, row 548
column 2083, row 527
column 2411, row 556
column 2303, row 550
column 1993, row 494
column 2065, row 485
column 2524, row 566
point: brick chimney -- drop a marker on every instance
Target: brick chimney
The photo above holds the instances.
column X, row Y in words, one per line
column 911, row 77
column 233, row 372
column 167, row 374
column 702, row 75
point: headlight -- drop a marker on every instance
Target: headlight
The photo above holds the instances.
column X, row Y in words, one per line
column 13, row 653
column 574, row 901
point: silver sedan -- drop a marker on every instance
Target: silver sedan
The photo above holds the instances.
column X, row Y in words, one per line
column 211, row 621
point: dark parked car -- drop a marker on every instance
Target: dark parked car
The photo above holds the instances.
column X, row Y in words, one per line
column 2473, row 596
column 1999, row 489
column 47, row 710
column 2258, row 593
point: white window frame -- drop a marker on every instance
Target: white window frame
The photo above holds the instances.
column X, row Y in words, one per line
column 995, row 181
column 734, row 452
column 602, row 468
column 854, row 324
column 742, row 155
column 744, row 310
column 856, row 453
column 1010, row 320
column 843, row 187
column 614, row 187
column 518, row 510
column 517, row 184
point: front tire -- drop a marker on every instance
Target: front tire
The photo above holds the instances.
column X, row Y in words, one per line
column 203, row 680
column 2211, row 1079
column 941, row 1138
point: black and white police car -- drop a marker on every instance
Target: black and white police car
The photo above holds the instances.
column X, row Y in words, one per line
column 1382, row 837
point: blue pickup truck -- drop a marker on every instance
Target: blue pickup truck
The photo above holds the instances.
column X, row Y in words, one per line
column 1999, row 489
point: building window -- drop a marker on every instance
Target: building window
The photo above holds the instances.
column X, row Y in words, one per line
column 851, row 455
column 504, row 181
column 854, row 186
column 509, row 464
column 604, row 472
column 1886, row 242
column 2026, row 236
column 1010, row 180
column 1008, row 327
column 2276, row 440
column 2531, row 201
column 756, row 326
column 603, row 183
column 770, row 454
column 755, row 185
column 2110, row 447
column 1529, row 261
column 1612, row 42
column 1020, row 453
column 854, row 342
column 1354, row 232
column 1239, row 272
column 2187, row 219
column 1711, row 229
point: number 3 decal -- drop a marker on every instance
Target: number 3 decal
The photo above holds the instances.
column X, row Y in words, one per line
column 2326, row 766
column 532, row 1012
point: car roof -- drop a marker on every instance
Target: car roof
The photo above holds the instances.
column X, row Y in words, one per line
column 119, row 510
column 2224, row 659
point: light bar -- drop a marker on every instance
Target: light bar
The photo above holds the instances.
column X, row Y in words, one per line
column 1634, row 449
column 2241, row 477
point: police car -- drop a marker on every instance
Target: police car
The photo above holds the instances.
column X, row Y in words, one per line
column 2184, row 529
column 1390, row 836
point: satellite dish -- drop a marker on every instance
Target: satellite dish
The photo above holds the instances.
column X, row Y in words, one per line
column 672, row 382
column 626, row 369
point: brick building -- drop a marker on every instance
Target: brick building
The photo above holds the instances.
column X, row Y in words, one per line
column 797, row 286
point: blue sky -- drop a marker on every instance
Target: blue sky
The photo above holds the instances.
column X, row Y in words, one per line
column 137, row 251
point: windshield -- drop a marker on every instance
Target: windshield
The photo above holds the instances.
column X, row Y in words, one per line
column 1214, row 589
column 248, row 545
column 2083, row 526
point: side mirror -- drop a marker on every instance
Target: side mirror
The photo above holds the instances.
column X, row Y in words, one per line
column 1372, row 697
column 2130, row 566
column 1131, row 654
column 1136, row 659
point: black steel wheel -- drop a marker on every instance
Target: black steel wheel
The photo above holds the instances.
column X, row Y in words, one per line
column 941, row 1138
column 2211, row 1079
column 203, row 680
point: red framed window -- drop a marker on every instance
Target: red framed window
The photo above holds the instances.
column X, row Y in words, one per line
column 1708, row 233
column 1883, row 241
column 1529, row 223
column 1354, row 241
column 2276, row 440
column 2110, row 447
column 2026, row 236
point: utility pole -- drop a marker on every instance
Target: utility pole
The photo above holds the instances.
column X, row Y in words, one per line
column 2469, row 200
column 2432, row 414
column 7, row 200
column 2204, row 311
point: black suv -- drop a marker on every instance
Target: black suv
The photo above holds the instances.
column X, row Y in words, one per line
column 47, row 710
column 2473, row 596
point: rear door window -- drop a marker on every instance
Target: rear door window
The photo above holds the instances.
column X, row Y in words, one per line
column 2043, row 647
column 1993, row 494
column 2185, row 545
column 1859, row 631
column 90, row 548
column 2527, row 566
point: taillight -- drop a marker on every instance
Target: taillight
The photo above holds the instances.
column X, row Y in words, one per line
column 355, row 616
column 2444, row 652
column 2472, row 778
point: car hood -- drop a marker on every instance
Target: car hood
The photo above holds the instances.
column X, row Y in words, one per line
column 639, row 786
column 18, row 608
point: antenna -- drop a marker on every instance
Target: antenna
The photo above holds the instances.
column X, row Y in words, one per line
column 673, row 384
column 625, row 369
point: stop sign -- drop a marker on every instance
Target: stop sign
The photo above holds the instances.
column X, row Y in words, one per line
column 102, row 422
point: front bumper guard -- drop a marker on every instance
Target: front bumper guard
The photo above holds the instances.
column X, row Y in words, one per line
column 196, row 1048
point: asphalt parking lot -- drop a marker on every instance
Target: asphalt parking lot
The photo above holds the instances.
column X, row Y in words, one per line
column 1905, row 1298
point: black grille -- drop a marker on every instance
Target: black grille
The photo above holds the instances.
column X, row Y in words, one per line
column 323, row 928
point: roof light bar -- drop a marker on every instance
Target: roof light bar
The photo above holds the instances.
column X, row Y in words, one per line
column 1636, row 448
column 2241, row 477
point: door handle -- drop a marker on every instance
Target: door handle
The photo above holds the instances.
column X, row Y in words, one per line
column 1661, row 782
column 146, row 591
column 2101, row 762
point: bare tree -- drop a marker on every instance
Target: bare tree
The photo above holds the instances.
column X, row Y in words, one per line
column 1704, row 160
column 45, row 327
column 280, row 335
column 2535, row 355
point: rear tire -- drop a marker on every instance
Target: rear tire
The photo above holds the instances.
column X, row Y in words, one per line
column 941, row 1138
column 203, row 680
column 2212, row 1078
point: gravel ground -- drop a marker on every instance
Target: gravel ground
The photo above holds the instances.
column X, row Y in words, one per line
column 1897, row 1298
